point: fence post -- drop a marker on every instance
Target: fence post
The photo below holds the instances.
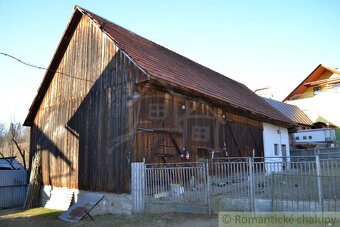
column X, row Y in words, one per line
column 251, row 184
column 318, row 173
column 208, row 185
column 138, row 186
column 272, row 188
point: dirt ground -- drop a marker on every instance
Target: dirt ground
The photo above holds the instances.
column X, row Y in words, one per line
column 47, row 217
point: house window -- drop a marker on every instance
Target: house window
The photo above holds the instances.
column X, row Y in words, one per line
column 157, row 111
column 284, row 150
column 200, row 134
column 310, row 137
column 276, row 149
column 297, row 138
column 316, row 90
column 336, row 87
column 304, row 137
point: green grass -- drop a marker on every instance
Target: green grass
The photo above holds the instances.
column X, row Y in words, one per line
column 9, row 213
column 48, row 217
column 43, row 211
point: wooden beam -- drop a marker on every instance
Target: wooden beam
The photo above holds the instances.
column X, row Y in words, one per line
column 156, row 147
column 160, row 131
column 175, row 145
column 163, row 156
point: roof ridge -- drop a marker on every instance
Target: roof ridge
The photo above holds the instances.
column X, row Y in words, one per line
column 85, row 11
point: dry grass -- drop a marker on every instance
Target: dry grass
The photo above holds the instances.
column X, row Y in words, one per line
column 47, row 217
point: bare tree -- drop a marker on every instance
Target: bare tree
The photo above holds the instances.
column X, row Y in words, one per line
column 11, row 133
column 2, row 136
column 14, row 135
column 2, row 143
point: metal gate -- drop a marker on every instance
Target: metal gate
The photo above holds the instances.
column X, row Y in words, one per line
column 174, row 186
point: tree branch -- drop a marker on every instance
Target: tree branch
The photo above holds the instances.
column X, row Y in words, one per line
column 10, row 163
column 21, row 153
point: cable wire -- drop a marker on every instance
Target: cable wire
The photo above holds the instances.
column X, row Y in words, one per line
column 39, row 67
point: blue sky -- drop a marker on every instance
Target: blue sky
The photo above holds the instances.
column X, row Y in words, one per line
column 258, row 43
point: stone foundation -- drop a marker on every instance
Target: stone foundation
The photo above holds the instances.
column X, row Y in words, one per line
column 168, row 208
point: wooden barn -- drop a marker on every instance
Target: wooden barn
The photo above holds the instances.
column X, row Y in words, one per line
column 111, row 97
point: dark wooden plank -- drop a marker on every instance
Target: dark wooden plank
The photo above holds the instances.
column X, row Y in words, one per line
column 96, row 108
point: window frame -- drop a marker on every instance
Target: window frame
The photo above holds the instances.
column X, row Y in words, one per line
column 317, row 90
column 276, row 149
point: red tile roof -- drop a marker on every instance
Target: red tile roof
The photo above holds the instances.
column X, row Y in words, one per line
column 162, row 63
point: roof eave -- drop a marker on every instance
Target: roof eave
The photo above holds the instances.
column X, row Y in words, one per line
column 304, row 81
column 301, row 84
column 256, row 116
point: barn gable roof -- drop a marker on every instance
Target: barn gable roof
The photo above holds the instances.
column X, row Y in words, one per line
column 161, row 63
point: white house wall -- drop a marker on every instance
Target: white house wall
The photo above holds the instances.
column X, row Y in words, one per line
column 273, row 134
column 322, row 107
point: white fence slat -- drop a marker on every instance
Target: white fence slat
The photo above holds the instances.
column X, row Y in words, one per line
column 138, row 186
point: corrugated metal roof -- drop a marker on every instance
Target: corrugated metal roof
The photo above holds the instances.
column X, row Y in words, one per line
column 293, row 112
column 5, row 165
column 164, row 64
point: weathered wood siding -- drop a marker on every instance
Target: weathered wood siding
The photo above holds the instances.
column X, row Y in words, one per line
column 82, row 126
column 87, row 124
column 241, row 134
